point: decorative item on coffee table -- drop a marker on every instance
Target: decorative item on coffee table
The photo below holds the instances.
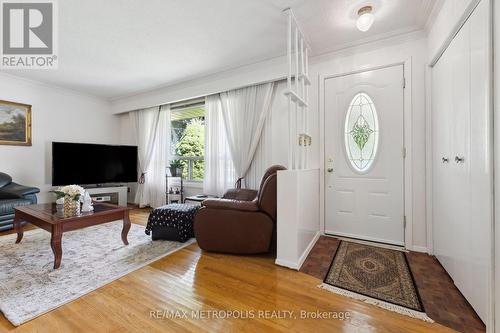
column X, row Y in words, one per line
column 71, row 195
column 87, row 205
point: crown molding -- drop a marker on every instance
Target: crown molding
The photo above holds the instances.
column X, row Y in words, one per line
column 370, row 46
column 49, row 85
column 432, row 15
column 396, row 36
column 424, row 11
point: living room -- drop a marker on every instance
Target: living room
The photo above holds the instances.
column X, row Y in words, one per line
column 250, row 166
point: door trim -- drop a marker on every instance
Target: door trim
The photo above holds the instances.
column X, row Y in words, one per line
column 407, row 142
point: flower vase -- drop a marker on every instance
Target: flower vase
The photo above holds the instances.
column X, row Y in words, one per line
column 71, row 207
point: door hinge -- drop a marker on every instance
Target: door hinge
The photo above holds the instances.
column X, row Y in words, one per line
column 404, row 222
column 404, row 152
column 404, row 82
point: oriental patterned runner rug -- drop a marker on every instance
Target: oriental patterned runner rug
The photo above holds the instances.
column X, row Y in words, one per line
column 375, row 275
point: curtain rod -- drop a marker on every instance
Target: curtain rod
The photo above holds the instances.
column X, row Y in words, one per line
column 283, row 78
column 187, row 104
column 173, row 105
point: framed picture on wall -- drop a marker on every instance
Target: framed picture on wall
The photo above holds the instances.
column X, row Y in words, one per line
column 15, row 124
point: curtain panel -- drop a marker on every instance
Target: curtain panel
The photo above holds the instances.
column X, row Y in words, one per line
column 219, row 169
column 234, row 125
column 152, row 128
column 245, row 112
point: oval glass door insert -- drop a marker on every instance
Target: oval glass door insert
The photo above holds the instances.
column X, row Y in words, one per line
column 361, row 133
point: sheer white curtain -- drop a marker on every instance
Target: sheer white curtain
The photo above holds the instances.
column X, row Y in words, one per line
column 219, row 169
column 245, row 112
column 263, row 157
column 273, row 143
column 152, row 128
column 234, row 123
column 157, row 170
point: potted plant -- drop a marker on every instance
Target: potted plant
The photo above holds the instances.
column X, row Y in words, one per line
column 176, row 168
column 71, row 195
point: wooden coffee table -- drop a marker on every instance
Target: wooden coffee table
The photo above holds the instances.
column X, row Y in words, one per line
column 45, row 216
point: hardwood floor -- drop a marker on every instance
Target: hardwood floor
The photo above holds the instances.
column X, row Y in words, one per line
column 192, row 280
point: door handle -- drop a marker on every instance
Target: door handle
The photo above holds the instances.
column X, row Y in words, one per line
column 445, row 159
column 459, row 159
column 329, row 170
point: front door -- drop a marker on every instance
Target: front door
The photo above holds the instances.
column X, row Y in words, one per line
column 364, row 155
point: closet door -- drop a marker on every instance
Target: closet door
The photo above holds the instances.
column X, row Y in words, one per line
column 442, row 105
column 477, row 249
column 462, row 188
column 458, row 171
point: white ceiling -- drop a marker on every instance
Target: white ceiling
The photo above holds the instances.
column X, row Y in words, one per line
column 115, row 48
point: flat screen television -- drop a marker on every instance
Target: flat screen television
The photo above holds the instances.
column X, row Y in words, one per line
column 84, row 164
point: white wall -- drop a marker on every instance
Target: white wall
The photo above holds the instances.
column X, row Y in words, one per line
column 57, row 115
column 298, row 216
column 240, row 77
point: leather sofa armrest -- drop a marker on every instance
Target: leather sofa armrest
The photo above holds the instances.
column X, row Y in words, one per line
column 14, row 190
column 242, row 205
column 240, row 194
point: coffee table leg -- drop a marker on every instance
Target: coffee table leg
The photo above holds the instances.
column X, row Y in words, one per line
column 56, row 244
column 18, row 227
column 126, row 228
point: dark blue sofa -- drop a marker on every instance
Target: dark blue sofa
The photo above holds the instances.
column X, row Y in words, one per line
column 13, row 195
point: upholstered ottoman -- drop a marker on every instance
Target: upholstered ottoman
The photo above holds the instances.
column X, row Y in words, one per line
column 172, row 222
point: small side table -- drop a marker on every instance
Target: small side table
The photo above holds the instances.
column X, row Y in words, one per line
column 197, row 199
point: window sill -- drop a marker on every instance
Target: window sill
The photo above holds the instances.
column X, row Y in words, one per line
column 193, row 184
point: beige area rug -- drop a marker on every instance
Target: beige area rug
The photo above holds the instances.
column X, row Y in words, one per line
column 376, row 275
column 92, row 257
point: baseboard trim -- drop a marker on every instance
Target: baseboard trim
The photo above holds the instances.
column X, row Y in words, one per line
column 308, row 249
column 303, row 257
column 286, row 263
column 422, row 249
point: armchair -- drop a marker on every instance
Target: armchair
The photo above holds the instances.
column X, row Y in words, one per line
column 11, row 196
column 242, row 222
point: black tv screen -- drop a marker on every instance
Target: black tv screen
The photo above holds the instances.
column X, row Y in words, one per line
column 83, row 164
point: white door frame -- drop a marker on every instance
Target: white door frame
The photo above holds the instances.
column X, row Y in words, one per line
column 407, row 141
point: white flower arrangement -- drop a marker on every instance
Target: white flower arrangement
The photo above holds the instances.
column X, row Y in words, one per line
column 73, row 191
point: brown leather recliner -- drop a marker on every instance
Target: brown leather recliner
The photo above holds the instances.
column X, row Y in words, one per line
column 242, row 222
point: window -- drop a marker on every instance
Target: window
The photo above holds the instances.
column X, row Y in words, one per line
column 361, row 133
column 188, row 138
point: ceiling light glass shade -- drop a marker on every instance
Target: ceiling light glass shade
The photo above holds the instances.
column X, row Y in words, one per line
column 365, row 21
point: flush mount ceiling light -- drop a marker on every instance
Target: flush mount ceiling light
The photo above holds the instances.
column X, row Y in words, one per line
column 365, row 19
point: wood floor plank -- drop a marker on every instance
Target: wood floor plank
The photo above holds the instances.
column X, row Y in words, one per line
column 191, row 280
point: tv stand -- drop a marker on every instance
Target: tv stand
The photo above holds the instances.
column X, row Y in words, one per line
column 115, row 194
column 102, row 185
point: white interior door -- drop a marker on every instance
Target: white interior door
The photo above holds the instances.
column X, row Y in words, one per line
column 364, row 155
